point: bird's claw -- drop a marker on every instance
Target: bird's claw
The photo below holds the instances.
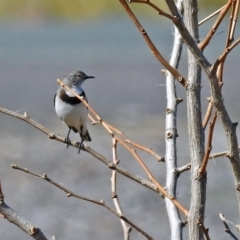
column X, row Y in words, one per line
column 67, row 141
column 80, row 146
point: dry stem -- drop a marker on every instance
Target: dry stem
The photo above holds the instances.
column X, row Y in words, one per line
column 85, row 147
column 204, row 163
column 228, row 230
column 111, row 130
column 148, row 2
column 72, row 194
column 154, row 50
column 126, row 229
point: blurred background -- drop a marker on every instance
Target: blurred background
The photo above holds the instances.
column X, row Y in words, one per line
column 41, row 41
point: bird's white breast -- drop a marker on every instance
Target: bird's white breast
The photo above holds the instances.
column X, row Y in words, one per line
column 72, row 115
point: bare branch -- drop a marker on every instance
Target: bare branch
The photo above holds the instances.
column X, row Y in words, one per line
column 207, row 115
column 22, row 223
column 154, row 50
column 204, row 229
column 146, row 149
column 210, row 16
column 222, row 58
column 148, row 2
column 225, row 223
column 85, row 147
column 111, row 130
column 175, row 222
column 215, row 26
column 204, row 163
column 72, row 194
column 126, row 229
column 159, row 186
column 216, row 96
column 183, row 169
column 132, row 151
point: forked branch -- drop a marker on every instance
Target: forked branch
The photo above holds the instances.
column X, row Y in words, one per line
column 85, row 147
column 135, row 155
column 72, row 194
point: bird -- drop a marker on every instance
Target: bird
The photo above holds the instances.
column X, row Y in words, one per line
column 70, row 109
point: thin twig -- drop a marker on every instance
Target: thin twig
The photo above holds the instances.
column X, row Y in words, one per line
column 207, row 115
column 182, row 169
column 85, row 147
column 111, row 130
column 227, row 228
column 204, row 163
column 148, row 2
column 226, row 52
column 212, row 31
column 204, row 229
column 210, row 16
column 174, row 218
column 146, row 149
column 219, row 64
column 126, row 228
column 153, row 179
column 72, row 194
column 154, row 50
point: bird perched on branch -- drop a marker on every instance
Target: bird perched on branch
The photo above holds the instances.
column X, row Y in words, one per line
column 70, row 109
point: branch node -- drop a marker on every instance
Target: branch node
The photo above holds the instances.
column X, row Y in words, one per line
column 169, row 135
column 184, row 223
column 175, row 19
column 168, row 110
column 33, row 230
column 180, row 79
column 111, row 166
column 69, row 194
column 162, row 159
column 228, row 155
column 143, row 31
column 51, row 136
column 238, row 187
column 114, row 195
column 164, row 71
column 179, row 100
column 26, row 115
column 14, row 166
column 234, row 125
column 44, row 176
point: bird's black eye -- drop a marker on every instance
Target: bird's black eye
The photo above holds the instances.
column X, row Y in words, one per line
column 80, row 75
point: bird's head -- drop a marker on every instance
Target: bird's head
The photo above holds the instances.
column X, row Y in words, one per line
column 76, row 78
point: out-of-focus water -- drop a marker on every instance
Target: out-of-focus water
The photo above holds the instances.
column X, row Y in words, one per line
column 128, row 92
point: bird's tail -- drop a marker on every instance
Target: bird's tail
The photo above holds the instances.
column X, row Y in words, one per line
column 86, row 137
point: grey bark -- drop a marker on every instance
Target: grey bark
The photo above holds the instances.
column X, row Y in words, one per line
column 196, row 133
column 171, row 137
column 23, row 224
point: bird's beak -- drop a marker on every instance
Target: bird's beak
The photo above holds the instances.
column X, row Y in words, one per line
column 89, row 77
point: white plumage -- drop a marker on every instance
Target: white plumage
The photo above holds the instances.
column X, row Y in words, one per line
column 70, row 109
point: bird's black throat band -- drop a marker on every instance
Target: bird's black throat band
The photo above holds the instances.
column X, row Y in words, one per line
column 70, row 100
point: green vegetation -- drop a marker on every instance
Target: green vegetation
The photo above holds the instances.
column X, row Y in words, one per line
column 76, row 9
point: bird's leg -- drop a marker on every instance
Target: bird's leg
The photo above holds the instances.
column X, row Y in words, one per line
column 81, row 143
column 67, row 140
column 80, row 146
